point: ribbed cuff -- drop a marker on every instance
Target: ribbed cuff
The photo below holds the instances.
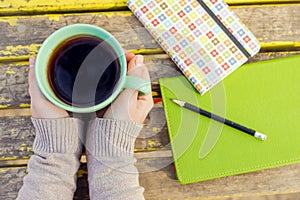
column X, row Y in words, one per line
column 57, row 135
column 111, row 138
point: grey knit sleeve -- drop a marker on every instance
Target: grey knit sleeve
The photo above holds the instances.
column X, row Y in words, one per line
column 111, row 170
column 52, row 170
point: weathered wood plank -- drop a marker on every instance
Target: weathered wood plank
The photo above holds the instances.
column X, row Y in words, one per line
column 23, row 35
column 278, row 27
column 162, row 184
column 15, row 112
column 10, row 7
column 259, row 2
column 11, row 181
column 14, row 84
column 17, row 135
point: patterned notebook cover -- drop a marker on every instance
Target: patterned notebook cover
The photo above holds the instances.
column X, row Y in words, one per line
column 204, row 38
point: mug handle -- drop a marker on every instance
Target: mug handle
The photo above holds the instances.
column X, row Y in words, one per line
column 140, row 84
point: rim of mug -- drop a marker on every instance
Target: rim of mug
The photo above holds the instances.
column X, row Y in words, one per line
column 55, row 39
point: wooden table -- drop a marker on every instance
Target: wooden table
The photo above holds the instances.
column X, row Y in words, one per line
column 25, row 24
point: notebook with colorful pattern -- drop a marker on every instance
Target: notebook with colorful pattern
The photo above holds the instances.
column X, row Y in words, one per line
column 205, row 39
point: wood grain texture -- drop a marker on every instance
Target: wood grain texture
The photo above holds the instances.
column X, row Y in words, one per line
column 162, row 184
column 11, row 181
column 22, row 36
column 16, row 137
column 14, row 85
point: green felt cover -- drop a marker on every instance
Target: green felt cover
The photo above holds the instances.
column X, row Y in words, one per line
column 264, row 96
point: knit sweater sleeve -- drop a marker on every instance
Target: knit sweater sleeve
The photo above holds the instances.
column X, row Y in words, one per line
column 111, row 170
column 52, row 170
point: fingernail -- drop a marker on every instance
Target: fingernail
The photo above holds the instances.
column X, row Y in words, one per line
column 139, row 59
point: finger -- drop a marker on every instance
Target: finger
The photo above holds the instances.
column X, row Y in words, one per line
column 135, row 62
column 136, row 67
column 128, row 55
column 31, row 75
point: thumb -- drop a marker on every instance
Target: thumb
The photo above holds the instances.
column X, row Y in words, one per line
column 34, row 90
column 137, row 61
column 137, row 68
column 134, row 69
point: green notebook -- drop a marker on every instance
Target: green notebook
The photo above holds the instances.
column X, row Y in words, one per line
column 264, row 96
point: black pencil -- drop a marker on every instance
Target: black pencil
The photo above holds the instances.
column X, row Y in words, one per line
column 220, row 119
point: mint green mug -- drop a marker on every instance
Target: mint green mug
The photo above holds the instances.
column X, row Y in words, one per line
column 50, row 54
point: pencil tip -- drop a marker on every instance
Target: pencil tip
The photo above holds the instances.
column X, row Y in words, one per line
column 174, row 100
column 180, row 103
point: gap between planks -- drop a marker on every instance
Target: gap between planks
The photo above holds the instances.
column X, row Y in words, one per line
column 160, row 154
column 265, row 47
column 25, row 112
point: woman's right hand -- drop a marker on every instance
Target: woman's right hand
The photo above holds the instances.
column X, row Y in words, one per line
column 129, row 105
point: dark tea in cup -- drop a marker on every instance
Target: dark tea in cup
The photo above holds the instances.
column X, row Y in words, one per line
column 83, row 70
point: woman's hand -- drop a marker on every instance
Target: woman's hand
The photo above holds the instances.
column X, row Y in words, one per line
column 40, row 106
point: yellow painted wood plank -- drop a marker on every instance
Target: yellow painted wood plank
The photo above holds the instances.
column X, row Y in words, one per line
column 16, row 58
column 258, row 196
column 265, row 46
column 15, row 95
column 243, row 2
column 168, row 188
column 12, row 53
column 23, row 35
column 15, row 112
column 33, row 6
column 8, row 7
column 213, row 190
column 262, row 5
column 279, row 45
